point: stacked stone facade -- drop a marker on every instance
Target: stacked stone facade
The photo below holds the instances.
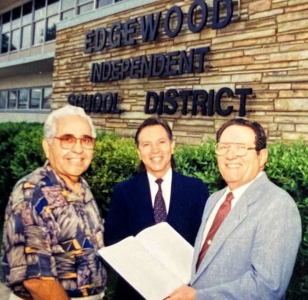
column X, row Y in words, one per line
column 264, row 48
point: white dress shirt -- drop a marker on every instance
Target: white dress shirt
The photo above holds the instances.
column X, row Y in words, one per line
column 165, row 186
column 237, row 193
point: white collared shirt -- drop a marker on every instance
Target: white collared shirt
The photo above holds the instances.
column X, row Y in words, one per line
column 237, row 193
column 165, row 186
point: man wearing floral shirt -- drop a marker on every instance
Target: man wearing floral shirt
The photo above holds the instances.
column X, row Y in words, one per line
column 52, row 224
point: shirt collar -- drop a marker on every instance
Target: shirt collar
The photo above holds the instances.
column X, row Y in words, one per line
column 166, row 177
column 240, row 191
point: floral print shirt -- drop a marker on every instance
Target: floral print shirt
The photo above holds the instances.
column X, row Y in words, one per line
column 51, row 232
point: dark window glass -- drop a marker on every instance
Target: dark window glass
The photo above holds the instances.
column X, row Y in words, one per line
column 26, row 37
column 39, row 9
column 6, row 19
column 27, row 8
column 12, row 99
column 5, row 42
column 51, row 28
column 47, row 98
column 27, row 13
column 104, row 2
column 16, row 13
column 85, row 8
column 35, row 100
column 3, row 99
column 15, row 40
column 23, row 99
column 39, row 32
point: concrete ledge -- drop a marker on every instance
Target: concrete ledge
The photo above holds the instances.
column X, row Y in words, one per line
column 23, row 117
column 26, row 60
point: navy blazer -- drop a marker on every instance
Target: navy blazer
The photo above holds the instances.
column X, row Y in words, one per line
column 131, row 211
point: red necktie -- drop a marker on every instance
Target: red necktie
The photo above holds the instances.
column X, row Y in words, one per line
column 219, row 218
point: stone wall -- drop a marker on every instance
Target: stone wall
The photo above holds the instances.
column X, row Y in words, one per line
column 265, row 48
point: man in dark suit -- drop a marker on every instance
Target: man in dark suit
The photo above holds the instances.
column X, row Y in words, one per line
column 156, row 194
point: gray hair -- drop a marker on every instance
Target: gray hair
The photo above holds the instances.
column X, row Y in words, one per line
column 50, row 126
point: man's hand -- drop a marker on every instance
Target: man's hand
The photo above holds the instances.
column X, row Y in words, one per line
column 45, row 289
column 183, row 293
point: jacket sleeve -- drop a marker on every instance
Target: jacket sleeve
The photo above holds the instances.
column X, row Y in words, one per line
column 117, row 222
column 273, row 256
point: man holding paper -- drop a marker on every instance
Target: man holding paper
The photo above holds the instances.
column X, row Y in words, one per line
column 157, row 194
column 251, row 230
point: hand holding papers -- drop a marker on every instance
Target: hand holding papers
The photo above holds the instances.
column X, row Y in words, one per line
column 155, row 262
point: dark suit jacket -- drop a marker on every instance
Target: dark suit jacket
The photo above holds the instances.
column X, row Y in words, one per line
column 131, row 211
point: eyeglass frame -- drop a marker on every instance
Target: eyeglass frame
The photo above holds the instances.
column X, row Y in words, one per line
column 233, row 144
column 60, row 138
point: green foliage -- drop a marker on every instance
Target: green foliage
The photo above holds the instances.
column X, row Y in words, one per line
column 115, row 159
column 287, row 166
column 20, row 154
column 200, row 162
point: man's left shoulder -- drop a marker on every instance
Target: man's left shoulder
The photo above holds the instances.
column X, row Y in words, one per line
column 276, row 197
column 191, row 183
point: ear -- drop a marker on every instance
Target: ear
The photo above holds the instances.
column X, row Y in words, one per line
column 172, row 147
column 45, row 145
column 263, row 158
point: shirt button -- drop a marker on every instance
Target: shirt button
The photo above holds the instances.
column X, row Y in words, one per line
column 209, row 242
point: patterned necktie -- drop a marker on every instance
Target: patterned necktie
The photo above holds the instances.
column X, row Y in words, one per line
column 160, row 213
column 219, row 218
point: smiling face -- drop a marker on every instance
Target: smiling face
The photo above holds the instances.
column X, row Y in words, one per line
column 239, row 170
column 155, row 150
column 69, row 163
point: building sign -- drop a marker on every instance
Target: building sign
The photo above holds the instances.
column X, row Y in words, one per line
column 174, row 63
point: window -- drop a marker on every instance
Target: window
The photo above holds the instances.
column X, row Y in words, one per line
column 38, row 98
column 3, row 99
column 34, row 22
column 46, row 104
column 12, row 99
column 15, row 40
column 52, row 19
column 39, row 9
column 27, row 13
column 35, row 100
column 23, row 99
column 85, row 8
column 26, row 37
column 39, row 32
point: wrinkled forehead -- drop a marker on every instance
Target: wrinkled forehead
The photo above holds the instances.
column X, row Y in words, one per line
column 74, row 125
column 238, row 134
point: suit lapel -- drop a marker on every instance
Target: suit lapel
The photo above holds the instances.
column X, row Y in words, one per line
column 232, row 221
column 143, row 199
column 211, row 202
column 175, row 196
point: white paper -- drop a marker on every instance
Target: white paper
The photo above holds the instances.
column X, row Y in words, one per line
column 155, row 263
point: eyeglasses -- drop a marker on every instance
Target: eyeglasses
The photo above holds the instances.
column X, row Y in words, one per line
column 240, row 149
column 68, row 141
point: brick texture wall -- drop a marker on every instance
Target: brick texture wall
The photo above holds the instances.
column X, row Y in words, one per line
column 265, row 48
